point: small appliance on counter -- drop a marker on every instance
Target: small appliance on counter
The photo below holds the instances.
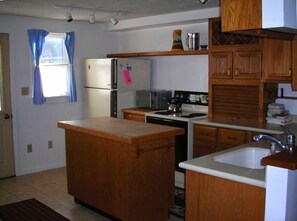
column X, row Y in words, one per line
column 153, row 99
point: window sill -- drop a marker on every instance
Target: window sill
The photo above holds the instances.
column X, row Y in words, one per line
column 60, row 99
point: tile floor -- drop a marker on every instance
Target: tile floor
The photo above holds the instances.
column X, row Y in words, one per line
column 50, row 188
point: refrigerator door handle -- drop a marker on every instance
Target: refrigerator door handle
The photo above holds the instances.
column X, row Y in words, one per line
column 114, row 75
column 113, row 104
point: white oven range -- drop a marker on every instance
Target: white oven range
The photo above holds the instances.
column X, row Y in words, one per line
column 192, row 109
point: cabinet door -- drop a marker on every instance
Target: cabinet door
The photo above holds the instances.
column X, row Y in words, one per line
column 220, row 65
column 247, row 65
column 277, row 60
column 230, row 138
column 241, row 14
column 205, row 139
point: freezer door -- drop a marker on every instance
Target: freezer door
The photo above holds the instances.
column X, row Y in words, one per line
column 100, row 73
column 100, row 102
column 133, row 74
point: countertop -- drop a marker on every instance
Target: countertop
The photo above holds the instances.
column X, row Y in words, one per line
column 284, row 159
column 208, row 165
column 126, row 131
column 248, row 126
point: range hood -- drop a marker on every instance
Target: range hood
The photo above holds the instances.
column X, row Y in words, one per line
column 279, row 15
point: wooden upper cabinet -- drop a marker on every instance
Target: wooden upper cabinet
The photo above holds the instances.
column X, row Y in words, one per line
column 277, row 60
column 241, row 14
column 247, row 65
column 241, row 65
column 220, row 65
column 219, row 39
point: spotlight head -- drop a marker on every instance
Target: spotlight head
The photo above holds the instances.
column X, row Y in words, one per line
column 114, row 21
column 69, row 17
column 203, row 1
column 92, row 19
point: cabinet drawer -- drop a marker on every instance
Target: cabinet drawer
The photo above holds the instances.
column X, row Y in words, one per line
column 228, row 137
column 135, row 117
column 205, row 133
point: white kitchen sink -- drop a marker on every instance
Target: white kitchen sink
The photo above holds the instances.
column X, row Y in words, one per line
column 248, row 157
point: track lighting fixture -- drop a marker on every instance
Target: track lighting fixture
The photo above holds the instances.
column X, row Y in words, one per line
column 69, row 17
column 203, row 1
column 114, row 21
column 92, row 18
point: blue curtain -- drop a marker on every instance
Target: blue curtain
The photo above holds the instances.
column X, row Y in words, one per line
column 69, row 43
column 36, row 40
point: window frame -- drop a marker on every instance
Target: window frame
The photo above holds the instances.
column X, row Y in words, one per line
column 64, row 62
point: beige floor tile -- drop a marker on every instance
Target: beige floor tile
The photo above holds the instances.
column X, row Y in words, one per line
column 50, row 188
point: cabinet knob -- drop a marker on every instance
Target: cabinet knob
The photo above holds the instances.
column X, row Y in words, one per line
column 236, row 72
column 290, row 72
column 229, row 71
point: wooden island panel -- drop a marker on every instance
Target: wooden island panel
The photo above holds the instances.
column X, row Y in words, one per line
column 131, row 181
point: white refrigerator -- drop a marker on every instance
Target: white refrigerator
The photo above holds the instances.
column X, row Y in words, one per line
column 110, row 85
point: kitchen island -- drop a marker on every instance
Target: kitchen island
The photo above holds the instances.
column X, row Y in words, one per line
column 121, row 167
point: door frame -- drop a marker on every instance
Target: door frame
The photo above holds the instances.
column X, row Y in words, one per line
column 13, row 94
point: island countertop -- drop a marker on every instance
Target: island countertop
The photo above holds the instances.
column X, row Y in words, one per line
column 126, row 131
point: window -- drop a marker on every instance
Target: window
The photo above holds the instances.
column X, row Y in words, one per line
column 54, row 66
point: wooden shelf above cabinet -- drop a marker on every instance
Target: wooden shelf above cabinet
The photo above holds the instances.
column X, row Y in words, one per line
column 157, row 53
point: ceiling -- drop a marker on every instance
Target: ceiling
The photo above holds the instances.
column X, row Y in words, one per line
column 104, row 9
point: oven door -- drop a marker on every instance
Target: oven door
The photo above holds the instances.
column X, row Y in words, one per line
column 181, row 141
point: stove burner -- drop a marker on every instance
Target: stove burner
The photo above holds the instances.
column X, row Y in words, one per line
column 166, row 113
column 180, row 114
column 193, row 115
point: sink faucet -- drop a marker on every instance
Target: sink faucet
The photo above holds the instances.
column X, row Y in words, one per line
column 285, row 146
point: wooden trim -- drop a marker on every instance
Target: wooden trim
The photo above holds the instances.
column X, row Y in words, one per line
column 156, row 53
column 294, row 63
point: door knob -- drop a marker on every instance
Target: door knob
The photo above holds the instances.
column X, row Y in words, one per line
column 6, row 116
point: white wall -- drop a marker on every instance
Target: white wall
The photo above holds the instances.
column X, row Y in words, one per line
column 37, row 124
column 170, row 72
column 290, row 104
column 280, row 194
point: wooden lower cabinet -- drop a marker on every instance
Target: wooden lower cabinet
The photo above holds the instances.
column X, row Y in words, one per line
column 205, row 140
column 136, row 117
column 136, row 114
column 209, row 139
column 213, row 198
column 131, row 182
column 228, row 138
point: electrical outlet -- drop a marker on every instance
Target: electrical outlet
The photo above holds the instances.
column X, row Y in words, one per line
column 50, row 144
column 25, row 91
column 29, row 148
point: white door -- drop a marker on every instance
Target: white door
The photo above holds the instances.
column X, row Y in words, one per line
column 6, row 142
